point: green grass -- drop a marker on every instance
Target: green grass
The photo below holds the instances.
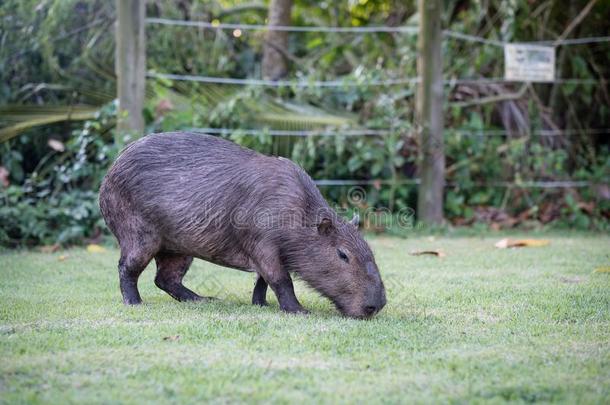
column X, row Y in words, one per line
column 480, row 325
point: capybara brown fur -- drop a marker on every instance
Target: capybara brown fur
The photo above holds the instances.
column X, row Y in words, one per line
column 178, row 196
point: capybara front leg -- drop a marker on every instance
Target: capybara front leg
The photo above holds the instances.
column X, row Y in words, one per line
column 280, row 282
column 284, row 290
column 259, row 295
column 170, row 272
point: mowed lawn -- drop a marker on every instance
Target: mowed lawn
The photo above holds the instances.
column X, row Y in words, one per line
column 481, row 324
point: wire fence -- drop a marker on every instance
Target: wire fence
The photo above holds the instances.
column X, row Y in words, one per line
column 283, row 83
column 499, row 184
column 362, row 30
column 383, row 132
column 351, row 82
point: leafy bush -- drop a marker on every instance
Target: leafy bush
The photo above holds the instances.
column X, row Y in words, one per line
column 57, row 203
column 60, row 53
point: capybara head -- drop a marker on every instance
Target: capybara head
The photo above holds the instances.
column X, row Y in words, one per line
column 336, row 261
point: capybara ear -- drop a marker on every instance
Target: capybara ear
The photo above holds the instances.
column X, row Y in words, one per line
column 325, row 227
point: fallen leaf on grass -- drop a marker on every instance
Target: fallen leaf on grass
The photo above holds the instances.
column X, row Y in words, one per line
column 602, row 270
column 172, row 338
column 512, row 243
column 437, row 253
column 93, row 248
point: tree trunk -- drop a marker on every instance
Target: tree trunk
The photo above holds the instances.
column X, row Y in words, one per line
column 130, row 65
column 430, row 113
column 275, row 65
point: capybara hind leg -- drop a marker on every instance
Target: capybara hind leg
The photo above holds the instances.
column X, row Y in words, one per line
column 131, row 265
column 259, row 295
column 170, row 272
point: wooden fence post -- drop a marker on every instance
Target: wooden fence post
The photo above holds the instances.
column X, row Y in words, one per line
column 430, row 113
column 130, row 65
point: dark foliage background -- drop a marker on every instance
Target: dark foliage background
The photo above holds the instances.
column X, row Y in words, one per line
column 57, row 87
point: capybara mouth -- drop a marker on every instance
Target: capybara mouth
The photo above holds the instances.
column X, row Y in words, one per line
column 362, row 315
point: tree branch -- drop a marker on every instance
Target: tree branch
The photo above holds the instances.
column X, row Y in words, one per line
column 493, row 99
column 583, row 13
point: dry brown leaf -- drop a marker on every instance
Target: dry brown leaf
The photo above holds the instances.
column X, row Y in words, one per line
column 512, row 243
column 602, row 270
column 172, row 338
column 437, row 253
column 93, row 248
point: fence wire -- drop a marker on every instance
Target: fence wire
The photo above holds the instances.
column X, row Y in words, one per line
column 353, row 83
column 350, row 132
column 283, row 83
column 411, row 30
column 500, row 184
column 361, row 30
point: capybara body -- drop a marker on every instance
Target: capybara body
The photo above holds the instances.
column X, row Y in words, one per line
column 176, row 196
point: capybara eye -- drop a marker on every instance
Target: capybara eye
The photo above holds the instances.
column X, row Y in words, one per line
column 342, row 256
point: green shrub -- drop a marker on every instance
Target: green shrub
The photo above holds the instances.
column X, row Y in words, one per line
column 57, row 203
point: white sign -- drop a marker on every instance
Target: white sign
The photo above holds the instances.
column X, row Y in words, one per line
column 529, row 63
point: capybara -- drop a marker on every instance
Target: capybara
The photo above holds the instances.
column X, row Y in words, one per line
column 178, row 196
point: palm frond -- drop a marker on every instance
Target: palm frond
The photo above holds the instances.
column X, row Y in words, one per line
column 290, row 115
column 17, row 118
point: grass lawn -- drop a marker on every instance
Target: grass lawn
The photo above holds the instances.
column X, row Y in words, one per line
column 481, row 324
